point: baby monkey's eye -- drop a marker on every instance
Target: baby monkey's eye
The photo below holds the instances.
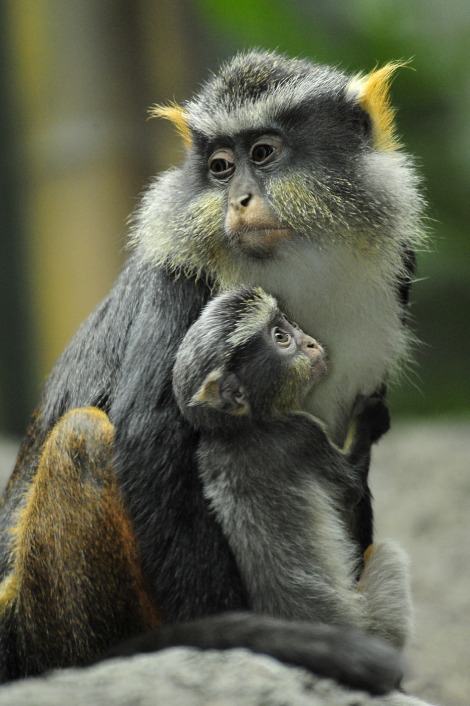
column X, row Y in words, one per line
column 281, row 337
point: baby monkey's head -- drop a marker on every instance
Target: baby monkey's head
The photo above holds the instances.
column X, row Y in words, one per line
column 243, row 358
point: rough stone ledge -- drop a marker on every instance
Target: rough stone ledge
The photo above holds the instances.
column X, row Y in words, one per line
column 189, row 677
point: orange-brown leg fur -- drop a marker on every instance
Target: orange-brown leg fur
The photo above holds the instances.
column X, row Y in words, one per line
column 76, row 586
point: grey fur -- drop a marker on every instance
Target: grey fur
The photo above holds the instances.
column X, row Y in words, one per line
column 278, row 487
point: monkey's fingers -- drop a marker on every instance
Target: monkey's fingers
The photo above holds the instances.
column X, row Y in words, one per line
column 347, row 655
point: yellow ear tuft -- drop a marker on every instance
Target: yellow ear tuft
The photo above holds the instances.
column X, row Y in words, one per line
column 372, row 93
column 177, row 116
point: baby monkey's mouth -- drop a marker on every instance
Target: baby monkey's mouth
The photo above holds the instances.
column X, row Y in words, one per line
column 319, row 369
column 318, row 357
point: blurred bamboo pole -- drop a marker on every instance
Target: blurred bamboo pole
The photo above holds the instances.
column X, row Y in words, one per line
column 79, row 177
column 16, row 349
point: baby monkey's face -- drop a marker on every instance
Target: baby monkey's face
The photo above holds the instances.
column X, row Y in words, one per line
column 280, row 367
column 304, row 352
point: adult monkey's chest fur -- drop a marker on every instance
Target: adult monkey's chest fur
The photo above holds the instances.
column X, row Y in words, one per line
column 345, row 300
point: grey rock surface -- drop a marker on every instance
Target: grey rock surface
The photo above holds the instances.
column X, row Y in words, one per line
column 421, row 482
column 185, row 677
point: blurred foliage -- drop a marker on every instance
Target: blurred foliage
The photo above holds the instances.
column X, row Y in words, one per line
column 81, row 75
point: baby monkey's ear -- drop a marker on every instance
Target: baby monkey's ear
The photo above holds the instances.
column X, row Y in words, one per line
column 223, row 391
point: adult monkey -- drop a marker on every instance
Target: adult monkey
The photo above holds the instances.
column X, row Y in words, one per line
column 292, row 181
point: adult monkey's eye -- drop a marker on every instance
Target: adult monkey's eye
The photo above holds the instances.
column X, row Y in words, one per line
column 264, row 150
column 281, row 337
column 220, row 166
column 221, row 163
column 260, row 153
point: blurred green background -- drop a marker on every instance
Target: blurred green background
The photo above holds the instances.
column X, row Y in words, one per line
column 76, row 80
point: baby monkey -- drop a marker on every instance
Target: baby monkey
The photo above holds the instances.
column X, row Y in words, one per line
column 275, row 481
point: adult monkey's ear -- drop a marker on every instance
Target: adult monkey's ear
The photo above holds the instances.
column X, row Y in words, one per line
column 371, row 91
column 222, row 391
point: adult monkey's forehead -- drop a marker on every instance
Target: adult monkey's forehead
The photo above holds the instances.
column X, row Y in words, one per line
column 257, row 89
